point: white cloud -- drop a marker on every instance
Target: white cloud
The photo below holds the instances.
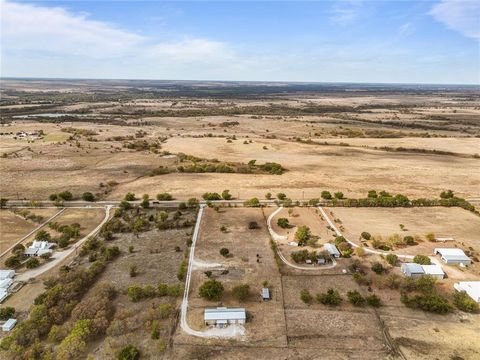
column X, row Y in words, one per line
column 459, row 15
column 345, row 12
column 52, row 31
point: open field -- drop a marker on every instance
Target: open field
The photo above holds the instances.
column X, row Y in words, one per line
column 403, row 141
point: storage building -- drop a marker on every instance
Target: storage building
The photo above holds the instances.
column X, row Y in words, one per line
column 472, row 288
column 222, row 316
column 412, row 270
column 434, row 270
column 332, row 250
column 266, row 294
column 9, row 324
column 453, row 256
column 4, row 274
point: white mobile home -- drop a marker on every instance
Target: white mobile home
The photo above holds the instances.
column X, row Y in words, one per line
column 222, row 316
column 472, row 288
column 453, row 256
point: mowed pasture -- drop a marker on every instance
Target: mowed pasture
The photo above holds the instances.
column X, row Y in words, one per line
column 266, row 325
column 13, row 226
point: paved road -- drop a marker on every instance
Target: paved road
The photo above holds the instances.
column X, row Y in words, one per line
column 59, row 256
column 31, row 232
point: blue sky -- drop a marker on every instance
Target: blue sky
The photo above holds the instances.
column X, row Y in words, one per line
column 345, row 41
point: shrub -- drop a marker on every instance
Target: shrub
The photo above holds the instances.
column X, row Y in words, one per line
column 46, row 255
column 283, row 223
column 268, row 196
column 241, row 292
column 211, row 196
column 224, row 252
column 65, row 195
column 192, row 203
column 392, row 259
column 6, row 312
column 32, row 263
column 427, row 302
column 373, row 300
column 135, row 293
column 422, row 260
column 226, row 195
column 331, row 297
column 129, row 196
column 164, row 197
column 430, row 237
column 211, row 290
column 252, row 225
column 63, row 242
column 313, row 202
column 361, row 279
column 338, row 195
column 355, row 298
column 326, row 195
column 128, row 352
column 88, row 196
column 366, row 235
column 465, row 302
column 182, row 270
column 133, row 271
column 306, row 297
column 281, row 196
column 53, row 197
column 377, row 268
column 125, row 205
column 253, row 202
column 409, row 240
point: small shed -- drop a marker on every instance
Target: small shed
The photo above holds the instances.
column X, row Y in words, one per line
column 293, row 243
column 412, row 270
column 332, row 250
column 9, row 324
column 308, row 261
column 266, row 294
column 223, row 316
column 321, row 260
column 435, row 271
column 453, row 256
column 472, row 288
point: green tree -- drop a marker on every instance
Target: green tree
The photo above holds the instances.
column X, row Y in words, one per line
column 129, row 196
column 75, row 343
column 128, row 352
column 303, row 234
column 42, row 235
column 355, row 298
column 326, row 195
column 338, row 195
column 164, row 197
column 253, row 202
column 145, row 202
column 211, row 290
column 331, row 297
column 88, row 196
column 281, row 196
column 224, row 252
column 241, row 292
column 65, row 195
column 378, row 268
column 366, row 235
column 283, row 223
column 226, row 195
column 373, row 300
column 6, row 312
column 211, row 196
column 32, row 263
column 268, row 196
column 422, row 259
column 305, row 296
column 3, row 203
column 372, row 194
column 392, row 259
column 447, row 194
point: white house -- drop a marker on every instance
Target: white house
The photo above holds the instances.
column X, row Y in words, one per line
column 332, row 250
column 39, row 248
column 222, row 316
column 453, row 256
column 472, row 288
column 9, row 324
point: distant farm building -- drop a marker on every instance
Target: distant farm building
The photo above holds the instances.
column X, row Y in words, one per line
column 472, row 288
column 415, row 270
column 453, row 256
column 332, row 250
column 222, row 316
